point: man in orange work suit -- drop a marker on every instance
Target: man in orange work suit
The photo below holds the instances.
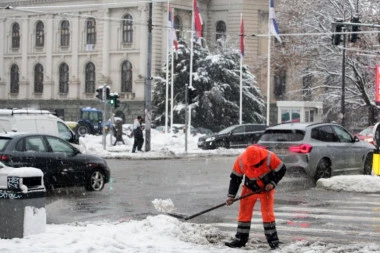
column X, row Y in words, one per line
column 262, row 170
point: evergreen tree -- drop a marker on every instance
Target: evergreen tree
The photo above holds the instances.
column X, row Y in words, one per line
column 216, row 78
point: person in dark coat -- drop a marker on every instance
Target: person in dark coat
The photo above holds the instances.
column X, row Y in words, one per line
column 138, row 135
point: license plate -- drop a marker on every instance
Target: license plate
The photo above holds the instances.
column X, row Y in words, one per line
column 280, row 151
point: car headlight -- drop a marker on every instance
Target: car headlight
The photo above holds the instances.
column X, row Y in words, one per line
column 210, row 139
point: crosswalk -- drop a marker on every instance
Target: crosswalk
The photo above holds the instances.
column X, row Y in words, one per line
column 332, row 218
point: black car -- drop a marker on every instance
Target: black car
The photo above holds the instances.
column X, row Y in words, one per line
column 236, row 136
column 62, row 164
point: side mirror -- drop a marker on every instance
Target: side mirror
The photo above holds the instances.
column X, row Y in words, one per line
column 356, row 139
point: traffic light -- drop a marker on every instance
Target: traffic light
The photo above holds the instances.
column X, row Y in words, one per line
column 191, row 94
column 354, row 35
column 108, row 93
column 114, row 101
column 99, row 94
column 117, row 101
column 337, row 28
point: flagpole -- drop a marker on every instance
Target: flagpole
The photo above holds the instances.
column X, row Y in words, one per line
column 241, row 70
column 188, row 114
column 268, row 71
column 241, row 90
column 167, row 74
column 172, row 83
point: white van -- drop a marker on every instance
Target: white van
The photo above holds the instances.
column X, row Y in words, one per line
column 35, row 121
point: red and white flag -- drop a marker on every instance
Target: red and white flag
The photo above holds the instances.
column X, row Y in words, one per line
column 242, row 36
column 197, row 21
column 172, row 33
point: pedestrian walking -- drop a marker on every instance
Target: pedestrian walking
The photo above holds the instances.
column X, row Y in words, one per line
column 138, row 135
column 261, row 171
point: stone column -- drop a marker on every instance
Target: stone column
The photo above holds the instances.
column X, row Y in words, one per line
column 74, row 89
column 3, row 92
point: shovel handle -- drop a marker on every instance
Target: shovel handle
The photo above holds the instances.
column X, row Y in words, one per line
column 220, row 205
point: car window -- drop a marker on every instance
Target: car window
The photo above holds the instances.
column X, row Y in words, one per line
column 367, row 131
column 324, row 133
column 64, row 131
column 283, row 135
column 254, row 128
column 342, row 134
column 3, row 143
column 226, row 130
column 59, row 146
column 34, row 144
column 239, row 130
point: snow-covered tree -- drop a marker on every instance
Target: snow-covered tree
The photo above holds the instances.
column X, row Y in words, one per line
column 216, row 78
column 324, row 59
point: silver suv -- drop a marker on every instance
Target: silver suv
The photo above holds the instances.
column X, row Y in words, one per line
column 320, row 150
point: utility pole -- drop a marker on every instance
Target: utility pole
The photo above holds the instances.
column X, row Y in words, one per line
column 148, row 85
column 343, row 107
column 186, row 115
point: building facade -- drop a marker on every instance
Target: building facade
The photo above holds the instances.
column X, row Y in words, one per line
column 55, row 54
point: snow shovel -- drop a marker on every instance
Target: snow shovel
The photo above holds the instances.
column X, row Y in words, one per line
column 184, row 217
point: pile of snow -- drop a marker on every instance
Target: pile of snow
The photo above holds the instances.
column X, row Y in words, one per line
column 351, row 183
column 161, row 146
column 155, row 234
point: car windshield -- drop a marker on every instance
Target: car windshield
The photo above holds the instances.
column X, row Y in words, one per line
column 227, row 130
column 3, row 143
column 282, row 135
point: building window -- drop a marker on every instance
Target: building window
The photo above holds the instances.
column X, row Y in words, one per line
column 63, row 78
column 290, row 115
column 178, row 27
column 127, row 29
column 15, row 36
column 306, row 83
column 221, row 29
column 91, row 31
column 14, row 79
column 126, row 77
column 90, row 78
column 279, row 83
column 65, row 33
column 38, row 79
column 40, row 34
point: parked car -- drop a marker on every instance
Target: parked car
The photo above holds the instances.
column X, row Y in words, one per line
column 366, row 134
column 35, row 121
column 62, row 164
column 236, row 136
column 319, row 150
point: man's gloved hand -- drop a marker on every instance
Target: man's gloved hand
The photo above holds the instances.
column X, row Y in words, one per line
column 269, row 187
column 229, row 201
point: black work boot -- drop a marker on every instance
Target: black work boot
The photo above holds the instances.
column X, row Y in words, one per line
column 240, row 238
column 271, row 234
column 273, row 245
column 236, row 243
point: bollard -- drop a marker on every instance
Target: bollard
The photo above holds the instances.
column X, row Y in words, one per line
column 376, row 163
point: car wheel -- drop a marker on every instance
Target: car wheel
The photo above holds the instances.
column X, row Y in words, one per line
column 82, row 129
column 323, row 169
column 368, row 164
column 95, row 181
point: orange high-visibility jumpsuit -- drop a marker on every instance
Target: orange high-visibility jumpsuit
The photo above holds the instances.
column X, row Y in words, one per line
column 259, row 167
